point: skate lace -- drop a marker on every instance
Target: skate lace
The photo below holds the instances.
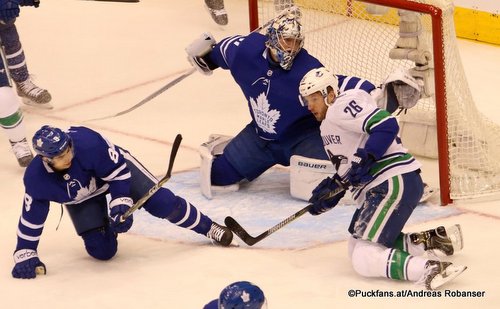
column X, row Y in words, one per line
column 30, row 88
column 216, row 232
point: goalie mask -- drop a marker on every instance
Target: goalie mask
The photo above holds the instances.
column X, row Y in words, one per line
column 318, row 80
column 50, row 142
column 285, row 40
column 242, row 295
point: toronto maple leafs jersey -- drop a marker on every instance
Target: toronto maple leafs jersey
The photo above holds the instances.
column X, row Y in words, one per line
column 272, row 93
column 97, row 167
column 348, row 125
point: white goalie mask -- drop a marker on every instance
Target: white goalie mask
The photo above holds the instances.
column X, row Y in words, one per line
column 318, row 80
column 285, row 39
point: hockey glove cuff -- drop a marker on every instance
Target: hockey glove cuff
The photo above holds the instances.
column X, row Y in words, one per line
column 320, row 201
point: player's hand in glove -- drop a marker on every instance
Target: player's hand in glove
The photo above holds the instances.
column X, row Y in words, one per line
column 34, row 3
column 28, row 265
column 361, row 164
column 9, row 9
column 117, row 211
column 320, row 203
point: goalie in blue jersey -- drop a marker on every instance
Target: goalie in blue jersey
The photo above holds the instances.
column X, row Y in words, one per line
column 79, row 168
column 268, row 69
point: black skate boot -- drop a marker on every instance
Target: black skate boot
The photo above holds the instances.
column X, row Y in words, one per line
column 220, row 234
column 217, row 11
column 447, row 240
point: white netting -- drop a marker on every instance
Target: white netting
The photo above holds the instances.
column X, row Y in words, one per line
column 351, row 41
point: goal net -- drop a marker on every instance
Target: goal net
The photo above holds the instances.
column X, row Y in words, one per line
column 371, row 39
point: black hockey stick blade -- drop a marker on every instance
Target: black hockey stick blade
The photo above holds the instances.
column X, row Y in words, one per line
column 175, row 147
column 234, row 226
column 150, row 97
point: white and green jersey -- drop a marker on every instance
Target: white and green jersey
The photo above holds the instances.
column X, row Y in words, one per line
column 348, row 125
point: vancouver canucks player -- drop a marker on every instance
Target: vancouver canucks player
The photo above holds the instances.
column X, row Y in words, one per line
column 362, row 142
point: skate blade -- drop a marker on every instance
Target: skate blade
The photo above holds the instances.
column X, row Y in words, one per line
column 450, row 273
column 37, row 105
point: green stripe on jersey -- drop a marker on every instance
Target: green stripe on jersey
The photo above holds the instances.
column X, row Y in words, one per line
column 375, row 119
column 385, row 208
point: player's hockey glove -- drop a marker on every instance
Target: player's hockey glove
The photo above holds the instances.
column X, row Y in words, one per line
column 359, row 174
column 28, row 265
column 319, row 201
column 119, row 207
column 9, row 9
column 34, row 3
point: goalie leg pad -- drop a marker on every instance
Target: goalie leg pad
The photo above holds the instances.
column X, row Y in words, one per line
column 418, row 130
column 208, row 150
column 306, row 173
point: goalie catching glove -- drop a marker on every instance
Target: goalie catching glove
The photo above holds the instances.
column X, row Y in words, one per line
column 327, row 185
column 198, row 53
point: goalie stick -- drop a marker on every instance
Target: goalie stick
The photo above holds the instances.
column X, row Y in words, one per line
column 156, row 187
column 186, row 74
column 234, row 226
column 151, row 96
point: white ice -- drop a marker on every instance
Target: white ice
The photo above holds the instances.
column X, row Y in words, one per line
column 98, row 58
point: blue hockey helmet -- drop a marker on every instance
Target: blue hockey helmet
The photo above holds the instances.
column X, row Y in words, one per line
column 242, row 295
column 50, row 141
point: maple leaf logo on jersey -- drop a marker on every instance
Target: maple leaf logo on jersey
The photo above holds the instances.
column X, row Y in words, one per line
column 265, row 118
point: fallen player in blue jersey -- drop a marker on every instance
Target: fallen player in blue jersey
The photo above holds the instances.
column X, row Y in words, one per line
column 78, row 168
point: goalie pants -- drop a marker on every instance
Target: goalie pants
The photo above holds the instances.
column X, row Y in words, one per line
column 249, row 155
column 90, row 217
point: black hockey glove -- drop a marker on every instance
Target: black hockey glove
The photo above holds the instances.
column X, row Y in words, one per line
column 320, row 204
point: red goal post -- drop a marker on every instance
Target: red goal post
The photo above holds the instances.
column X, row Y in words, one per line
column 354, row 38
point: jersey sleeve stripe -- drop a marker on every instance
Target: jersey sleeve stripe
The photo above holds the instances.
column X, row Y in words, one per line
column 121, row 177
column 112, row 176
column 27, row 237
column 30, row 225
column 225, row 45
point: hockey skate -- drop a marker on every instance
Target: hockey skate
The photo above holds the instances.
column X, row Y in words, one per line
column 428, row 193
column 33, row 95
column 22, row 152
column 438, row 273
column 217, row 11
column 221, row 235
column 446, row 240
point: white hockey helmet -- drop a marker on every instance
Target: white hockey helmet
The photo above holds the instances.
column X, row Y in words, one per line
column 286, row 29
column 319, row 79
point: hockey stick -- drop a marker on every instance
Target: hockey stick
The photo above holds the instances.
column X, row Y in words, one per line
column 151, row 96
column 156, row 187
column 234, row 226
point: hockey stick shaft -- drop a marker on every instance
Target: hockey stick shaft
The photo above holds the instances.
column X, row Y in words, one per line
column 234, row 226
column 151, row 96
column 156, row 187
